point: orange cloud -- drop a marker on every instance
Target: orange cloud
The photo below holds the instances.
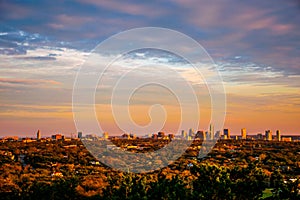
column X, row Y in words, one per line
column 28, row 81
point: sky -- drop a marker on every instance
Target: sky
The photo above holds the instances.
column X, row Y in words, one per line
column 255, row 46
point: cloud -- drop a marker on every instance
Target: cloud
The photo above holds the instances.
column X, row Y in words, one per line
column 254, row 43
column 268, row 33
column 131, row 8
column 28, row 81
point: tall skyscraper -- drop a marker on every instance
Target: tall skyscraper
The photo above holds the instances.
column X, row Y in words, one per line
column 211, row 132
column 191, row 132
column 244, row 133
column 79, row 135
column 183, row 134
column 227, row 133
column 278, row 135
column 201, row 135
column 38, row 135
column 268, row 135
column 207, row 135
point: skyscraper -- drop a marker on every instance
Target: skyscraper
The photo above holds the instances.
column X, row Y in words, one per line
column 278, row 135
column 244, row 133
column 201, row 135
column 227, row 133
column 79, row 135
column 207, row 135
column 183, row 134
column 268, row 135
column 38, row 135
column 191, row 132
column 211, row 132
column 218, row 134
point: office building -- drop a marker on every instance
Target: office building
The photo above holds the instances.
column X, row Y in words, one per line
column 201, row 135
column 161, row 134
column 183, row 134
column 57, row 137
column 79, row 135
column 278, row 135
column 211, row 132
column 286, row 139
column 268, row 135
column 259, row 136
column 191, row 132
column 105, row 135
column 38, row 135
column 226, row 133
column 244, row 133
column 218, row 135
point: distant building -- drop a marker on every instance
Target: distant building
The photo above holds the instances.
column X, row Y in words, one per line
column 28, row 140
column 218, row 134
column 244, row 133
column 79, row 135
column 226, row 132
column 191, row 132
column 154, row 136
column 125, row 136
column 278, row 135
column 201, row 135
column 207, row 135
column 211, row 132
column 171, row 136
column 224, row 137
column 161, row 134
column 259, row 136
column 105, row 135
column 38, row 135
column 11, row 138
column 57, row 137
column 183, row 134
column 286, row 139
column 132, row 136
column 268, row 135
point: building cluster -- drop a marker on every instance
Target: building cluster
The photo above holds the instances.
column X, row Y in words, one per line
column 190, row 135
column 268, row 136
column 38, row 138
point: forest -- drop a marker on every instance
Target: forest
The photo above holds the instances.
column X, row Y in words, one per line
column 232, row 170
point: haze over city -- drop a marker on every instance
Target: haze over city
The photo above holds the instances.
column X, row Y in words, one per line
column 255, row 46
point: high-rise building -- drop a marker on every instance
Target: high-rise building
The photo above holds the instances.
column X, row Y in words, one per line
column 191, row 132
column 244, row 133
column 183, row 134
column 227, row 133
column 268, row 135
column 105, row 135
column 201, row 135
column 79, row 135
column 278, row 135
column 218, row 134
column 211, row 132
column 207, row 135
column 38, row 135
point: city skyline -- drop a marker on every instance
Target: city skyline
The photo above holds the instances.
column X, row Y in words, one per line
column 183, row 133
column 255, row 47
